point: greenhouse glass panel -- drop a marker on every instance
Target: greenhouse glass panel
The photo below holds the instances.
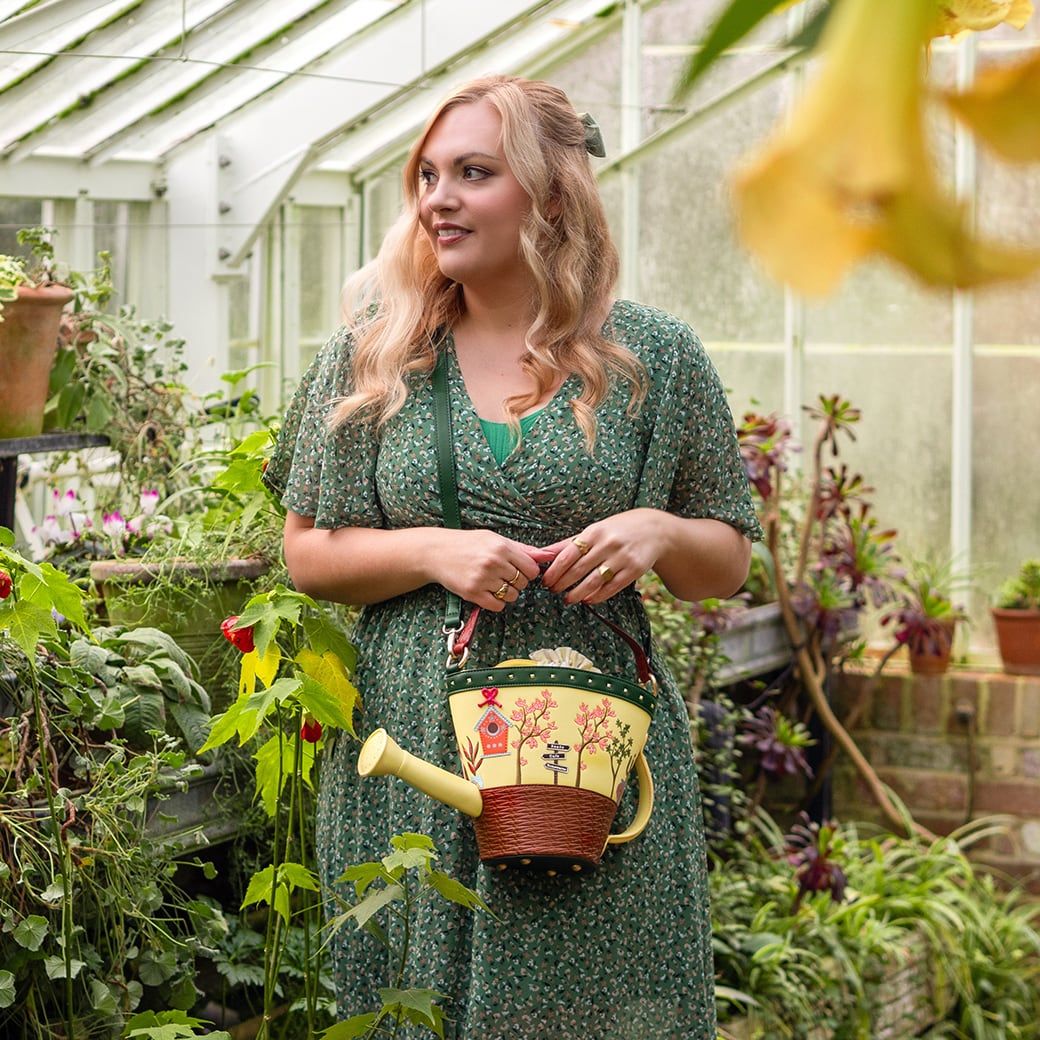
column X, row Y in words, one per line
column 321, row 275
column 15, row 214
column 691, row 263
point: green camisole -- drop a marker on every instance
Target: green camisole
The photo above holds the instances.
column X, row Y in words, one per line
column 501, row 438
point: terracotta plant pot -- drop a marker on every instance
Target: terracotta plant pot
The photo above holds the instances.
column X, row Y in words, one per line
column 933, row 659
column 1018, row 635
column 28, row 341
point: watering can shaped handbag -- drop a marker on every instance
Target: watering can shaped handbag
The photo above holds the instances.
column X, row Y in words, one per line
column 546, row 742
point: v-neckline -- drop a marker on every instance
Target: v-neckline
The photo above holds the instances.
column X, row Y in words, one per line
column 551, row 407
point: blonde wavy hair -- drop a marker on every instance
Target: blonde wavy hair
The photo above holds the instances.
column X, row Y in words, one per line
column 396, row 304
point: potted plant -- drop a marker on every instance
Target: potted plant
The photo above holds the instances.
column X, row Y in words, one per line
column 31, row 302
column 926, row 615
column 1016, row 618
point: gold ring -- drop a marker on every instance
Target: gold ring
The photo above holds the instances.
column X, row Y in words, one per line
column 582, row 546
column 502, row 592
column 512, row 580
column 605, row 572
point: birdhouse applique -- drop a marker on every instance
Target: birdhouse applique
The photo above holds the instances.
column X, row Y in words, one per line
column 493, row 729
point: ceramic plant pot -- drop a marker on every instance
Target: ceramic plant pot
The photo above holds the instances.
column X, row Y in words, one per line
column 188, row 601
column 28, row 342
column 1018, row 635
column 933, row 657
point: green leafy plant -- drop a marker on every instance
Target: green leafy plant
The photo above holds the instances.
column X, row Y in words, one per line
column 1022, row 592
column 93, row 921
column 294, row 684
column 806, row 925
column 395, row 886
column 34, row 269
column 169, row 1025
column 845, row 564
column 925, row 611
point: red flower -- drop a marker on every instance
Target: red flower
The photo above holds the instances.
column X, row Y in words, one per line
column 311, row 729
column 5, row 584
column 240, row 638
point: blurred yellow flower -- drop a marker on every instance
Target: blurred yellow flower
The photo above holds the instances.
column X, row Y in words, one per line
column 851, row 176
column 1003, row 109
column 957, row 16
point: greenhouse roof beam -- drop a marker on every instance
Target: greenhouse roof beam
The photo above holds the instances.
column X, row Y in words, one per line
column 44, row 178
column 175, row 77
column 32, row 38
column 306, row 115
column 374, row 142
column 83, row 72
column 307, row 56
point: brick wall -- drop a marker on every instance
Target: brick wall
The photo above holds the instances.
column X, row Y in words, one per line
column 915, row 732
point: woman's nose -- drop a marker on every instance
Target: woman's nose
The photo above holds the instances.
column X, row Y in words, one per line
column 441, row 195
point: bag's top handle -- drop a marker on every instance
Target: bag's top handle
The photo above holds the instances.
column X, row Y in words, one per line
column 459, row 634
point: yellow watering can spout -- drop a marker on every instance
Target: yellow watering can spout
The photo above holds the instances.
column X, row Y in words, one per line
column 381, row 756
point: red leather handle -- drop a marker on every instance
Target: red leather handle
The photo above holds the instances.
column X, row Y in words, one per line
column 462, row 640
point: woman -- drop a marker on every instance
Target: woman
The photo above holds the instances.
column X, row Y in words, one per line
column 591, row 436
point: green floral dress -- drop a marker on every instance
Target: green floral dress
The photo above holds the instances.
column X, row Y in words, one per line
column 624, row 953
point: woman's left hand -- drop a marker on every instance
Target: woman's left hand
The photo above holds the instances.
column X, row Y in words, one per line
column 607, row 556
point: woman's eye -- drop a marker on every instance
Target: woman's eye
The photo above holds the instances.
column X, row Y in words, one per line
column 427, row 176
column 474, row 173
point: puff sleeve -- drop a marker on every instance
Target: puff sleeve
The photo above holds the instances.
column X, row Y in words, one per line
column 327, row 474
column 693, row 466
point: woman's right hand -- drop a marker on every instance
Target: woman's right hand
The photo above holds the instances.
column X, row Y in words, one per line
column 477, row 564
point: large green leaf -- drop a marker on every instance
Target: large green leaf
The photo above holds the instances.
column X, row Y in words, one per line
column 55, row 967
column 157, row 639
column 418, row 1001
column 323, row 635
column 353, row 1027
column 26, row 623
column 290, row 877
column 145, row 711
column 225, row 725
column 30, row 932
column 192, row 721
column 454, row 890
column 736, row 22
column 48, row 587
column 374, row 902
column 330, row 699
column 88, row 656
column 7, row 989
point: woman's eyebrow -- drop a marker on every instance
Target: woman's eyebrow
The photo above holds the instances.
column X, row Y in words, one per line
column 459, row 160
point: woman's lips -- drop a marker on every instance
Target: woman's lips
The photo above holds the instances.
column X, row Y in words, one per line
column 448, row 236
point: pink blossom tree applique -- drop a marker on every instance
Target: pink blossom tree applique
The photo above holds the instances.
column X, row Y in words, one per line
column 533, row 723
column 594, row 732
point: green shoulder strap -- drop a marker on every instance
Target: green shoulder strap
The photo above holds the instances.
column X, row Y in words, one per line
column 446, row 472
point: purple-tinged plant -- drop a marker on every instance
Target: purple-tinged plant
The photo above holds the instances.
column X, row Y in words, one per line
column 717, row 615
column 839, row 491
column 765, row 445
column 863, row 558
column 810, row 848
column 824, row 605
column 925, row 613
column 780, row 742
column 835, row 415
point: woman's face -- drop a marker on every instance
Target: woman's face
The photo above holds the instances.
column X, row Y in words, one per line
column 470, row 204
